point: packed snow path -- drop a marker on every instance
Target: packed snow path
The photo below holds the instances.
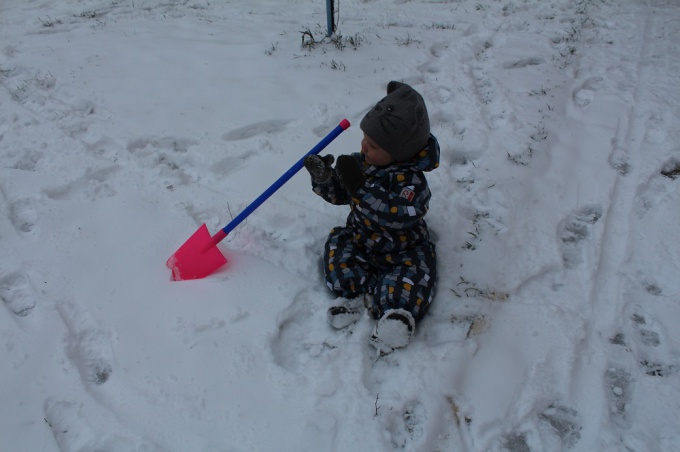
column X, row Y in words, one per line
column 125, row 125
column 616, row 312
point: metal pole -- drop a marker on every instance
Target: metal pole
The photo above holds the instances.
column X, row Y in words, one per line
column 329, row 17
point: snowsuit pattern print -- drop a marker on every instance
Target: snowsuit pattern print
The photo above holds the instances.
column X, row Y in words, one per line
column 385, row 249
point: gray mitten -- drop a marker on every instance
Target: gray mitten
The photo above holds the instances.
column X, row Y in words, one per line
column 350, row 173
column 320, row 168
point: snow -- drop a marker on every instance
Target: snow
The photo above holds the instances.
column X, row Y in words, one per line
column 125, row 125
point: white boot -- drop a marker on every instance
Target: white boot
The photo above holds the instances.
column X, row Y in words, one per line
column 394, row 330
column 345, row 312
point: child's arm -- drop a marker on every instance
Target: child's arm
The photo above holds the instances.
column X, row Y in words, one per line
column 333, row 191
column 325, row 181
column 350, row 173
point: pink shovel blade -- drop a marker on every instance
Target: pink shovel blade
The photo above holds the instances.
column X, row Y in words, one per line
column 197, row 258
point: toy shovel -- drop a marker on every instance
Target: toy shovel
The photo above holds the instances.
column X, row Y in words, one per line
column 199, row 256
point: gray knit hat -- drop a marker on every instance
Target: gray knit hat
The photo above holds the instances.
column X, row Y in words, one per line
column 399, row 123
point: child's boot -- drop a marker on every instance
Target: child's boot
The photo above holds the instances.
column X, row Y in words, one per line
column 345, row 312
column 394, row 330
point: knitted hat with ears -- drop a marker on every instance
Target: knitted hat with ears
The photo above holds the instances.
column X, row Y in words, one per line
column 399, row 122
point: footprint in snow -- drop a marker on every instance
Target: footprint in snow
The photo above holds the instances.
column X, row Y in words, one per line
column 154, row 145
column 304, row 333
column 468, row 325
column 438, row 49
column 73, row 432
column 168, row 155
column 647, row 332
column 671, row 169
column 585, row 93
column 30, row 88
column 574, row 231
column 523, row 63
column 255, row 129
column 27, row 161
column 407, row 426
column 620, row 160
column 565, row 422
column 656, row 129
column 211, row 216
column 23, row 215
column 92, row 185
column 443, row 94
column 619, row 385
column 659, row 185
column 102, row 147
column 430, row 67
column 497, row 108
column 35, row 90
column 231, row 164
column 649, row 345
column 516, row 442
column 17, row 292
column 88, row 344
column 68, row 424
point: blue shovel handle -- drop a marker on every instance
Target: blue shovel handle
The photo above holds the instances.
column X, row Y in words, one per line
column 344, row 125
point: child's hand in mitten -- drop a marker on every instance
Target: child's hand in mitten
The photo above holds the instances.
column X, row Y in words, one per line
column 350, row 173
column 320, row 167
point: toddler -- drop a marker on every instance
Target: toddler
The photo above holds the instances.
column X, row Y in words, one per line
column 382, row 259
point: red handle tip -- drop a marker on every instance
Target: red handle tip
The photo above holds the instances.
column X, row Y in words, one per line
column 344, row 124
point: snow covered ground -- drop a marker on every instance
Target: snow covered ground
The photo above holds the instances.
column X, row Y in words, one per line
column 126, row 124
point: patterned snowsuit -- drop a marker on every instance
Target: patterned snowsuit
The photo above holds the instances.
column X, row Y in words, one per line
column 385, row 249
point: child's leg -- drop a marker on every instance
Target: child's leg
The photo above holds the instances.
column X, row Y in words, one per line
column 410, row 284
column 345, row 265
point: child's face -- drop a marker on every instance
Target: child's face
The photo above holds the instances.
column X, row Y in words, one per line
column 374, row 154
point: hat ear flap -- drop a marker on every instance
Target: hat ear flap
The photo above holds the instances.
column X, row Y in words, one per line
column 393, row 86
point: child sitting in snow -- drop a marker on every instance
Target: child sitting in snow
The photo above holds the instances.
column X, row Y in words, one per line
column 383, row 258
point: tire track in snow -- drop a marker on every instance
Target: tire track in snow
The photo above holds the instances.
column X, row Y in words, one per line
column 608, row 280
